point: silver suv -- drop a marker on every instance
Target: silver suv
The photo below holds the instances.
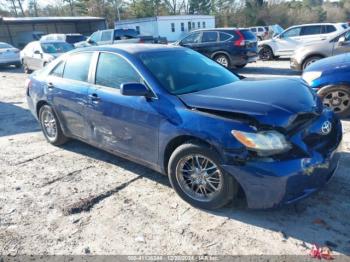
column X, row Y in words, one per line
column 307, row 54
column 285, row 43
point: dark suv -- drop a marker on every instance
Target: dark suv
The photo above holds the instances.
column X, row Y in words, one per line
column 230, row 47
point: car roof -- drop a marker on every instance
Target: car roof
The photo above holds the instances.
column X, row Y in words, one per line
column 132, row 48
column 51, row 41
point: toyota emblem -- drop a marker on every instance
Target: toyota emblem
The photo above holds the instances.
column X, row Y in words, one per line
column 326, row 128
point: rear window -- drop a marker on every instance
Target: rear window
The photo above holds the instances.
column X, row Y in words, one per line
column 224, row 36
column 247, row 34
column 125, row 33
column 72, row 39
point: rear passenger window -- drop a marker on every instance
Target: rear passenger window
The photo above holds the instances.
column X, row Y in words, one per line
column 224, row 37
column 112, row 71
column 311, row 30
column 77, row 67
column 209, row 37
column 260, row 29
column 58, row 70
column 330, row 29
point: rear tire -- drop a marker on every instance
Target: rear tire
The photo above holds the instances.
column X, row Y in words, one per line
column 51, row 126
column 196, row 175
column 337, row 98
column 266, row 53
column 222, row 60
column 310, row 61
column 26, row 68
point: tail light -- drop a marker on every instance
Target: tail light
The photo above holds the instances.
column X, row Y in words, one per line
column 28, row 85
column 240, row 41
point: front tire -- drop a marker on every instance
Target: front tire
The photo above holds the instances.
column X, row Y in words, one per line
column 196, row 175
column 266, row 53
column 50, row 126
column 310, row 61
column 337, row 98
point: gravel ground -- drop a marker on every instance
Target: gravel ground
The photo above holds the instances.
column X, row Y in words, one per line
column 130, row 209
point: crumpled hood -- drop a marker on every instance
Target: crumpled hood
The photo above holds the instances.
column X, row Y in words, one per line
column 270, row 102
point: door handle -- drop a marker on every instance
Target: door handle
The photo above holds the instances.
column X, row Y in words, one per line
column 50, row 86
column 94, row 98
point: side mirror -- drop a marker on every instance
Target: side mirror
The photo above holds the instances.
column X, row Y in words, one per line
column 90, row 41
column 341, row 40
column 134, row 89
column 37, row 52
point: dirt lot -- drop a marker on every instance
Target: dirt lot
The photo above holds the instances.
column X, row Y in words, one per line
column 133, row 210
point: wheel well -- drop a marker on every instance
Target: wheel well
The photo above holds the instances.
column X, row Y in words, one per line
column 175, row 143
column 309, row 56
column 39, row 105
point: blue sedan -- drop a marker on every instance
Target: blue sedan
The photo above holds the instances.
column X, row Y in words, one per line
column 330, row 77
column 182, row 114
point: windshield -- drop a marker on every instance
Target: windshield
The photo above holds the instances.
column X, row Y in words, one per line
column 52, row 48
column 4, row 45
column 186, row 71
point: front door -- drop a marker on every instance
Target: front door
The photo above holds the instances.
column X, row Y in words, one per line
column 342, row 47
column 287, row 42
column 126, row 124
column 191, row 41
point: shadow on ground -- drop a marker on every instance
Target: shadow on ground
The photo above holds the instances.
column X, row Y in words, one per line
column 320, row 219
column 11, row 69
column 16, row 120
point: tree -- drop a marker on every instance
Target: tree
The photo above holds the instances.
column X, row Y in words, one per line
column 202, row 7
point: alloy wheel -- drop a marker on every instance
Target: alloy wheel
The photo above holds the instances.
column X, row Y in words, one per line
column 337, row 100
column 222, row 60
column 199, row 177
column 49, row 124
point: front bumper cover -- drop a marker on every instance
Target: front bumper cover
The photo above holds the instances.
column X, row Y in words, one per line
column 274, row 182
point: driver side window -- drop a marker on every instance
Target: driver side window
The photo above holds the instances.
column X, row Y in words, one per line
column 95, row 37
column 121, row 72
column 191, row 39
column 291, row 32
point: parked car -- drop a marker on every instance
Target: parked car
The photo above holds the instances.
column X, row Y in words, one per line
column 260, row 32
column 307, row 54
column 285, row 43
column 69, row 38
column 230, row 47
column 9, row 55
column 21, row 39
column 184, row 115
column 330, row 78
column 37, row 54
column 115, row 36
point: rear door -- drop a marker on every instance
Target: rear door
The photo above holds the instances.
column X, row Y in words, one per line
column 288, row 41
column 67, row 88
column 209, row 43
column 312, row 33
column 126, row 124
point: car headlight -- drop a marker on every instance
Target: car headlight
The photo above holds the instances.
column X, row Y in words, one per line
column 265, row 143
column 311, row 76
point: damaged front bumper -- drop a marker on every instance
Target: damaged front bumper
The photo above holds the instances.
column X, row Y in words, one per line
column 269, row 183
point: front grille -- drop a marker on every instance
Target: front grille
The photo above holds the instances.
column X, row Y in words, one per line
column 300, row 122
